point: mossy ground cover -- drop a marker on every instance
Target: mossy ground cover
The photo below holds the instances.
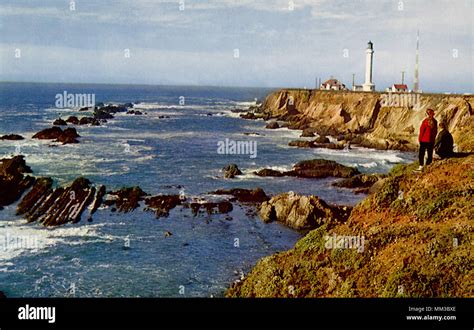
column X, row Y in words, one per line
column 418, row 233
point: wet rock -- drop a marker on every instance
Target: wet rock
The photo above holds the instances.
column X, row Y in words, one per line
column 73, row 120
column 89, row 121
column 54, row 207
column 220, row 207
column 163, row 204
column 321, row 139
column 134, row 112
column 49, row 133
column 99, row 198
column 301, row 212
column 272, row 125
column 12, row 137
column 307, row 133
column 69, row 135
column 127, row 199
column 168, row 233
column 361, row 182
column 301, row 144
column 248, row 115
column 231, row 170
column 13, row 182
column 59, row 122
column 335, row 146
column 244, row 195
column 269, row 172
column 321, row 168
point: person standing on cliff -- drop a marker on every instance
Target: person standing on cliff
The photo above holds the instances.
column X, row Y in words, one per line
column 427, row 137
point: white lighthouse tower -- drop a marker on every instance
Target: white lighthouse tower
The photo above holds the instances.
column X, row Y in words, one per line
column 369, row 86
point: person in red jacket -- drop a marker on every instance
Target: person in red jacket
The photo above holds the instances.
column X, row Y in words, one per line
column 428, row 131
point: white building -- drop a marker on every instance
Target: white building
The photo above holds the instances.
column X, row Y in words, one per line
column 398, row 88
column 369, row 86
column 333, row 84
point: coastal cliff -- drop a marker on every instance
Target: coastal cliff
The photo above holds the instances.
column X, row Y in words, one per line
column 412, row 237
column 379, row 120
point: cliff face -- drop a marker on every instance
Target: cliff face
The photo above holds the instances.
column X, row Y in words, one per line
column 382, row 120
column 411, row 238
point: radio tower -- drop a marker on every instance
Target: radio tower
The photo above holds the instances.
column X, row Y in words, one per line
column 416, row 82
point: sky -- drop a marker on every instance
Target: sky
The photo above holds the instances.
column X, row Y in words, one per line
column 261, row 43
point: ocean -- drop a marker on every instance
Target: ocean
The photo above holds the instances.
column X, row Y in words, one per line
column 172, row 148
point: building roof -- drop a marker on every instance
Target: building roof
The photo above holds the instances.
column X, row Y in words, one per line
column 333, row 82
column 400, row 86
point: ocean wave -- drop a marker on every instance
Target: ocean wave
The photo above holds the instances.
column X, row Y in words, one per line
column 18, row 238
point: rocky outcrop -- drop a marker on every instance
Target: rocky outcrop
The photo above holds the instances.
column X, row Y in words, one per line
column 73, row 120
column 126, row 199
column 244, row 195
column 69, row 135
column 411, row 238
column 269, row 172
column 211, row 207
column 302, row 212
column 12, row 137
column 231, row 171
column 378, row 121
column 163, row 204
column 315, row 144
column 13, row 181
column 59, row 122
column 272, row 125
column 315, row 168
column 54, row 207
column 361, row 182
column 321, row 168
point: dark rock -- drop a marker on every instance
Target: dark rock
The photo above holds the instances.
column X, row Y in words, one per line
column 128, row 198
column 272, row 125
column 72, row 120
column 54, row 207
column 321, row 139
column 231, row 170
column 248, row 115
column 168, row 233
column 89, row 121
column 301, row 144
column 212, row 207
column 163, row 204
column 307, row 133
column 13, row 182
column 59, row 122
column 269, row 172
column 321, row 168
column 361, row 182
column 101, row 114
column 49, row 133
column 244, row 195
column 69, row 135
column 12, row 137
column 98, row 199
column 335, row 146
column 2, row 295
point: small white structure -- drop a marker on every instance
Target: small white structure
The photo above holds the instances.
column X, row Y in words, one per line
column 333, row 84
column 369, row 86
column 398, row 88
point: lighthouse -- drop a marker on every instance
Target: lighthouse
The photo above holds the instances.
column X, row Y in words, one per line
column 368, row 86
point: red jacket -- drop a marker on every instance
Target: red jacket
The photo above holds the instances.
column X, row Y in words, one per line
column 428, row 130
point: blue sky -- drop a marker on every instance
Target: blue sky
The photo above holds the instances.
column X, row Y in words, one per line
column 280, row 43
